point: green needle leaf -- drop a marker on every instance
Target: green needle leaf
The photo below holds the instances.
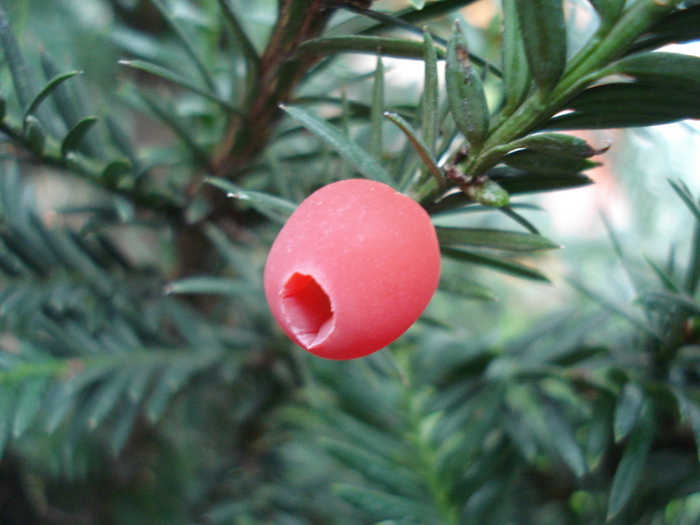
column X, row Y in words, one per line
column 376, row 120
column 608, row 10
column 465, row 92
column 466, row 289
column 382, row 505
column 29, row 402
column 374, row 45
column 544, row 33
column 349, row 150
column 630, row 468
column 624, row 105
column 627, row 412
column 178, row 80
column 75, row 136
column 677, row 28
column 429, row 104
column 177, row 124
column 660, row 68
column 421, row 148
column 47, row 90
column 34, row 134
column 247, row 47
column 539, row 162
column 516, row 73
column 187, row 45
column 210, row 286
column 494, row 239
column 495, row 263
column 19, row 69
column 272, row 207
column 686, row 196
column 559, row 145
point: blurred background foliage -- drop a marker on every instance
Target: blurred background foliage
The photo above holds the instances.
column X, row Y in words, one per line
column 146, row 168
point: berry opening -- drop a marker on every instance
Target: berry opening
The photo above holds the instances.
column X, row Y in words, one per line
column 307, row 308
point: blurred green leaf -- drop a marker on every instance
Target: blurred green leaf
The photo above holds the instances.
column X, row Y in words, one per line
column 382, row 506
column 495, row 263
column 664, row 277
column 34, row 134
column 19, row 69
column 179, row 81
column 122, row 429
column 210, row 286
column 493, row 239
column 165, row 387
column 668, row 300
column 627, row 411
column 231, row 15
column 543, row 31
column 687, row 197
column 691, row 413
column 114, row 172
column 392, row 477
column 678, row 27
column 509, row 212
column 29, row 402
column 180, row 126
column 608, row 10
column 692, row 279
column 466, row 289
column 47, row 90
column 563, row 439
column 73, row 140
column 70, row 102
column 622, row 310
column 630, row 468
column 7, row 409
column 350, row 151
column 107, row 397
column 189, row 47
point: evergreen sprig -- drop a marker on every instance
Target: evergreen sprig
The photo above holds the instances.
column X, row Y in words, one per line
column 150, row 385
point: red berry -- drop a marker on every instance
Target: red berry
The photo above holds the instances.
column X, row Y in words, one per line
column 352, row 269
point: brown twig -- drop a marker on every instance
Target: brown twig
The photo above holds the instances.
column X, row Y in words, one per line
column 280, row 72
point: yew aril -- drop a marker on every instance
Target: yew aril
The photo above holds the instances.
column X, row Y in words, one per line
column 352, row 269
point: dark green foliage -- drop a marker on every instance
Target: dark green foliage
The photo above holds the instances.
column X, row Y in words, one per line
column 465, row 92
column 142, row 379
column 544, row 35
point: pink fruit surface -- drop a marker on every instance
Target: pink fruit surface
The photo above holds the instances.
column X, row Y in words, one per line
column 352, row 269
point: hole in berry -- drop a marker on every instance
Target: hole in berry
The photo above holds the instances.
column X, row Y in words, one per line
column 307, row 309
